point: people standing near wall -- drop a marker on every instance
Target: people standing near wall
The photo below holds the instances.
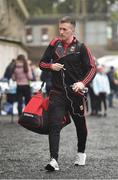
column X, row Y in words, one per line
column 73, row 67
column 32, row 66
column 94, row 105
column 113, row 86
column 101, row 88
column 22, row 75
column 9, row 70
column 116, row 82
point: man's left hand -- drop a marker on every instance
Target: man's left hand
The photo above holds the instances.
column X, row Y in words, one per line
column 78, row 86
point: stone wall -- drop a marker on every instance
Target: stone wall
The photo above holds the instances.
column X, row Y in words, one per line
column 12, row 20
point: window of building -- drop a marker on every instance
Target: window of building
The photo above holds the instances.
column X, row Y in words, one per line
column 29, row 36
column 44, row 36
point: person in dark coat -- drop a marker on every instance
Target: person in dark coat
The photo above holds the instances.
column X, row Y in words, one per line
column 113, row 87
column 9, row 70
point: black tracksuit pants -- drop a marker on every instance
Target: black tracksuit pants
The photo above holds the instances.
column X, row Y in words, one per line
column 58, row 106
column 23, row 91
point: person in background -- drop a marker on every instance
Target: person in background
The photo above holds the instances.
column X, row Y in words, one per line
column 113, row 86
column 93, row 101
column 32, row 66
column 101, row 88
column 116, row 82
column 22, row 75
column 93, row 98
column 73, row 67
column 9, row 70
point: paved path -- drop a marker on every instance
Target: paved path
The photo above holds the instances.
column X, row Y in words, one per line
column 24, row 154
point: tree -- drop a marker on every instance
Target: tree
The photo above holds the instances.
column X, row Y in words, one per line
column 38, row 7
column 66, row 7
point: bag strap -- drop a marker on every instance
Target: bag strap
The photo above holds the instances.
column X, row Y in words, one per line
column 42, row 85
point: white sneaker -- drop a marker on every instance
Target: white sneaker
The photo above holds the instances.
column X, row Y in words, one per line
column 52, row 166
column 80, row 159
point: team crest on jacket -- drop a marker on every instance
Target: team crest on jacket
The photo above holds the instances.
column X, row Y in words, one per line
column 59, row 50
column 72, row 49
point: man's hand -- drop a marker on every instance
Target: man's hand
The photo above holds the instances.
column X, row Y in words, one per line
column 78, row 86
column 57, row 67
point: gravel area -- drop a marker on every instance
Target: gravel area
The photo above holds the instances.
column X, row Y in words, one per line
column 23, row 154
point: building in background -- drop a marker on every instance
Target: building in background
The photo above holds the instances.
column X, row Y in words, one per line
column 13, row 17
column 39, row 32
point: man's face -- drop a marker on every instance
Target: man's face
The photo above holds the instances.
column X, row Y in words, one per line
column 66, row 31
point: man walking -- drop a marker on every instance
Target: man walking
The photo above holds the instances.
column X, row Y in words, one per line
column 73, row 68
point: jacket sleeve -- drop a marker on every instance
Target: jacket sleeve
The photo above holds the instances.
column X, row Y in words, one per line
column 45, row 62
column 48, row 56
column 88, row 64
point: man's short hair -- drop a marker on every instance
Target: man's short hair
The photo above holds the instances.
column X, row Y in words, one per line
column 68, row 19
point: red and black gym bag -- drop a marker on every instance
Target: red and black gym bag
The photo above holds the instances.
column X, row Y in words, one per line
column 35, row 115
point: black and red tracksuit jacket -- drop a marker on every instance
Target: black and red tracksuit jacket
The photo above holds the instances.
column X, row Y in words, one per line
column 77, row 59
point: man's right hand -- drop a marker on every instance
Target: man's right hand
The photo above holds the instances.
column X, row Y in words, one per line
column 57, row 67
